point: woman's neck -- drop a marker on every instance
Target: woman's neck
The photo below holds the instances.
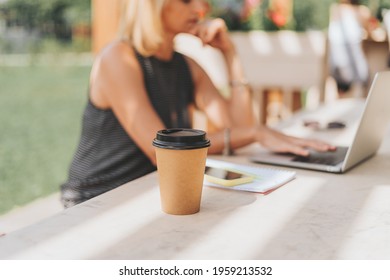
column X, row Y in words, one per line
column 165, row 52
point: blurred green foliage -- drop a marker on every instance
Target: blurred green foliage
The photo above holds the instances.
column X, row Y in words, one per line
column 48, row 16
column 307, row 14
column 63, row 20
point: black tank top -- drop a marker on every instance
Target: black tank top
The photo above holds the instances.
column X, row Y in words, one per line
column 107, row 156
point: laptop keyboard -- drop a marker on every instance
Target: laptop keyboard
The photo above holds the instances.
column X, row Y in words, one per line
column 324, row 158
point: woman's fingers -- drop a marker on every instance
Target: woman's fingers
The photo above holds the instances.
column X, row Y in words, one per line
column 279, row 142
column 315, row 144
column 210, row 32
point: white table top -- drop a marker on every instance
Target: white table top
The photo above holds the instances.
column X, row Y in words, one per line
column 315, row 216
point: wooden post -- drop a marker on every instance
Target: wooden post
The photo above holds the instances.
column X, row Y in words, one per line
column 105, row 20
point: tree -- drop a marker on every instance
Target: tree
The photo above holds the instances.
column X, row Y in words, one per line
column 48, row 17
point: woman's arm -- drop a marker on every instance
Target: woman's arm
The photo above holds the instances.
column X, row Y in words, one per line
column 209, row 100
column 237, row 114
column 214, row 33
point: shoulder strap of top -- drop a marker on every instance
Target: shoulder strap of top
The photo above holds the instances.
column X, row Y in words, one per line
column 147, row 69
column 187, row 90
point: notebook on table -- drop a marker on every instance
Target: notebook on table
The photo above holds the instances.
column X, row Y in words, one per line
column 265, row 179
column 367, row 139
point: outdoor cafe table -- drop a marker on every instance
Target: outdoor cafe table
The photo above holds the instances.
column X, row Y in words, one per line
column 315, row 216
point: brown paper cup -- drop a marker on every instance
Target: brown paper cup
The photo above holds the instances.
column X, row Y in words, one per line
column 181, row 179
column 181, row 159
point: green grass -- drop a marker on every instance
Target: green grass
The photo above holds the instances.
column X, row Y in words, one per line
column 40, row 118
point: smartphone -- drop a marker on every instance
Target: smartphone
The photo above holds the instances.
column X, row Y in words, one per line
column 226, row 177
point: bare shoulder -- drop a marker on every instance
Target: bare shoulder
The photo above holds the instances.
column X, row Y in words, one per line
column 114, row 68
column 117, row 54
column 116, row 60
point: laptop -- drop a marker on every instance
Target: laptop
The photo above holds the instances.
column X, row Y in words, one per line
column 367, row 139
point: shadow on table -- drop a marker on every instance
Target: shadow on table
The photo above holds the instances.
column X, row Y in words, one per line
column 168, row 236
column 320, row 229
column 70, row 233
column 72, row 217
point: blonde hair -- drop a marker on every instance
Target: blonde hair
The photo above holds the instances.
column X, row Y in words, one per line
column 141, row 24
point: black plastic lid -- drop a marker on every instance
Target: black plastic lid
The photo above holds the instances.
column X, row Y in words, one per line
column 181, row 139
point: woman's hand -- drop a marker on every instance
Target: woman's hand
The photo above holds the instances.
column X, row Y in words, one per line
column 279, row 142
column 214, row 32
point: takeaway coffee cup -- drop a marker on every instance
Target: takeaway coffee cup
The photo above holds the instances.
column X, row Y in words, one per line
column 181, row 159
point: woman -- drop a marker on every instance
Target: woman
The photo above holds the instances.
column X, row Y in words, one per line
column 140, row 85
column 348, row 25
